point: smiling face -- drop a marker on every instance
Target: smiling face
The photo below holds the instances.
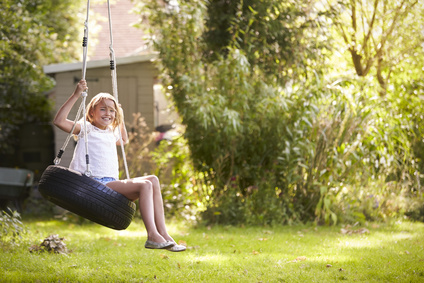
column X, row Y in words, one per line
column 103, row 114
column 103, row 111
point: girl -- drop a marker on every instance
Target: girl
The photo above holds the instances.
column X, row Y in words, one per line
column 103, row 117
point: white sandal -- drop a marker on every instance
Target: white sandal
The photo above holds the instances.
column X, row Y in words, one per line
column 177, row 248
column 153, row 245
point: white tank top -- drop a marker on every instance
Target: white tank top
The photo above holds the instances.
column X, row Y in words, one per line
column 103, row 156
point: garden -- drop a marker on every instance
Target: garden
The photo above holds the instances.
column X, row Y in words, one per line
column 299, row 155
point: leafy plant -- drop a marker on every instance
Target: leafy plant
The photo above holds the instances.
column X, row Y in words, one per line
column 170, row 161
column 52, row 244
column 184, row 190
column 11, row 227
column 138, row 150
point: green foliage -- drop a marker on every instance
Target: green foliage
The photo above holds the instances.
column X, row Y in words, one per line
column 11, row 227
column 276, row 138
column 33, row 34
column 138, row 150
column 170, row 161
column 379, row 35
column 321, row 156
column 278, row 37
column 183, row 191
column 233, row 118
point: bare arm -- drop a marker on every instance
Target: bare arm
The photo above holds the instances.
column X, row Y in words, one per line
column 61, row 120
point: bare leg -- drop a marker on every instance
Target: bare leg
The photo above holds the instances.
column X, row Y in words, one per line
column 143, row 190
column 158, row 206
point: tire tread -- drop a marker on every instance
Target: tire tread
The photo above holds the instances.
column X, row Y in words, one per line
column 86, row 197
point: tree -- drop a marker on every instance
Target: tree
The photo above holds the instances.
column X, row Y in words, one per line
column 281, row 38
column 378, row 34
column 228, row 70
column 33, row 33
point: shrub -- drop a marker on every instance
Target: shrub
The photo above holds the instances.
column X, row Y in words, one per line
column 274, row 138
column 170, row 161
column 11, row 227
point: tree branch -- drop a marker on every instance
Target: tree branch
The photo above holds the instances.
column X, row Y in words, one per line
column 356, row 57
column 371, row 25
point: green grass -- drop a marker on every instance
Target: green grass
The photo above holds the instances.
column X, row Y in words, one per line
column 388, row 253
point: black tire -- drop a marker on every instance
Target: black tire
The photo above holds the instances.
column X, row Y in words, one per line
column 86, row 197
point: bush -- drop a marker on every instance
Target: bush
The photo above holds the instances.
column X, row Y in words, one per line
column 273, row 137
column 170, row 161
column 11, row 227
column 338, row 163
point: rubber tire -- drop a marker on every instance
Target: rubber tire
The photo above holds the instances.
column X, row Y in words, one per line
column 86, row 197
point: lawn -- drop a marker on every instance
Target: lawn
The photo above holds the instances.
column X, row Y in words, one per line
column 371, row 253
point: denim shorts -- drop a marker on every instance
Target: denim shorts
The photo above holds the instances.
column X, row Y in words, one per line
column 104, row 180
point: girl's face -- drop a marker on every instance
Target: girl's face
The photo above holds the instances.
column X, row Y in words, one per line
column 103, row 114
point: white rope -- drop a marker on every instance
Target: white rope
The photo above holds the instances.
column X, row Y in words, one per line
column 82, row 106
column 87, row 159
column 62, row 150
column 85, row 42
column 84, row 93
column 115, row 85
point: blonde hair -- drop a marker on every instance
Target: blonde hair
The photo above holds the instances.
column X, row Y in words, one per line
column 96, row 100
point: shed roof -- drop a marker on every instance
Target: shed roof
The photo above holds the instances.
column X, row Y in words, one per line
column 67, row 67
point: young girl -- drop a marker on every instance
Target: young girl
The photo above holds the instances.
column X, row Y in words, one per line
column 103, row 118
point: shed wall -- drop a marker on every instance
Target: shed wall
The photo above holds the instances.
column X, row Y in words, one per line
column 135, row 93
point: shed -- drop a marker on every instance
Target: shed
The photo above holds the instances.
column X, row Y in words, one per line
column 136, row 74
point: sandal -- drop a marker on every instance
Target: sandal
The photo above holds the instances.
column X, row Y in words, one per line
column 177, row 248
column 153, row 245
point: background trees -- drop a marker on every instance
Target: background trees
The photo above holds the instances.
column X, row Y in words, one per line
column 284, row 119
column 378, row 34
column 33, row 33
column 293, row 110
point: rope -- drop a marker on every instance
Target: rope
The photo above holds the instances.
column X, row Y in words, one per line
column 83, row 102
column 84, row 93
column 85, row 42
column 82, row 107
column 115, row 85
column 62, row 149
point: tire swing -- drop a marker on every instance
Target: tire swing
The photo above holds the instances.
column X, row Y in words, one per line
column 77, row 192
